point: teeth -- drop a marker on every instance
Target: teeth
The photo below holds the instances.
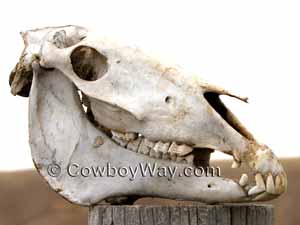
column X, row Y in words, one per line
column 260, row 185
column 180, row 150
column 235, row 164
column 161, row 147
column 277, row 184
column 173, row 148
column 270, row 184
column 244, row 180
column 145, row 146
column 184, row 150
column 160, row 150
column 118, row 135
column 124, row 137
column 130, row 136
column 152, row 153
column 255, row 190
column 260, row 181
column 262, row 196
column 119, row 141
column 134, row 145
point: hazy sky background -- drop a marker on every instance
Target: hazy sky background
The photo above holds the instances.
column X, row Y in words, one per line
column 249, row 47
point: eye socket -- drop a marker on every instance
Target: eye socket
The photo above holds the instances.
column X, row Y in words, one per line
column 88, row 63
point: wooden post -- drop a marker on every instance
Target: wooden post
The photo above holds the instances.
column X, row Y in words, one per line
column 227, row 214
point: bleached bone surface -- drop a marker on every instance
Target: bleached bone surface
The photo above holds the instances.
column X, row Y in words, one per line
column 138, row 111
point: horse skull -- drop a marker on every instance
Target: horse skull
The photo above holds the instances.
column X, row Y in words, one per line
column 137, row 110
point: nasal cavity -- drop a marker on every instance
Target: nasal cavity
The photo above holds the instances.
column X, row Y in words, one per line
column 88, row 63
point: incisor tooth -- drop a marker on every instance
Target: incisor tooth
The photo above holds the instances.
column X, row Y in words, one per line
column 278, row 185
column 260, row 181
column 255, row 190
column 244, row 180
column 270, row 184
column 235, row 164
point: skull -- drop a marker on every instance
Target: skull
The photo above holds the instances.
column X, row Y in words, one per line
column 93, row 101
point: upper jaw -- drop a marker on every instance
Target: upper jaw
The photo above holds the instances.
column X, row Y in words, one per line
column 270, row 178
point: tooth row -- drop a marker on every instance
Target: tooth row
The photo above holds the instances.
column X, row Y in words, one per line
column 269, row 186
column 160, row 150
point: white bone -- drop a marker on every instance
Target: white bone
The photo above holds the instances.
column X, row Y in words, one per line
column 243, row 180
column 134, row 92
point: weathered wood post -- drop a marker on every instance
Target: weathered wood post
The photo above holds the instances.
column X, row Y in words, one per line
column 226, row 214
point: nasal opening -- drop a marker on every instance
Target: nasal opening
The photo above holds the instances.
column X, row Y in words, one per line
column 215, row 102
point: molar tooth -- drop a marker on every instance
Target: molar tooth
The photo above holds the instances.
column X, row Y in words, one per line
column 152, row 153
column 270, row 184
column 118, row 134
column 134, row 145
column 244, row 180
column 173, row 148
column 235, row 164
column 130, row 136
column 180, row 150
column 161, row 147
column 184, row 150
column 145, row 146
column 148, row 143
column 119, row 141
column 124, row 137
